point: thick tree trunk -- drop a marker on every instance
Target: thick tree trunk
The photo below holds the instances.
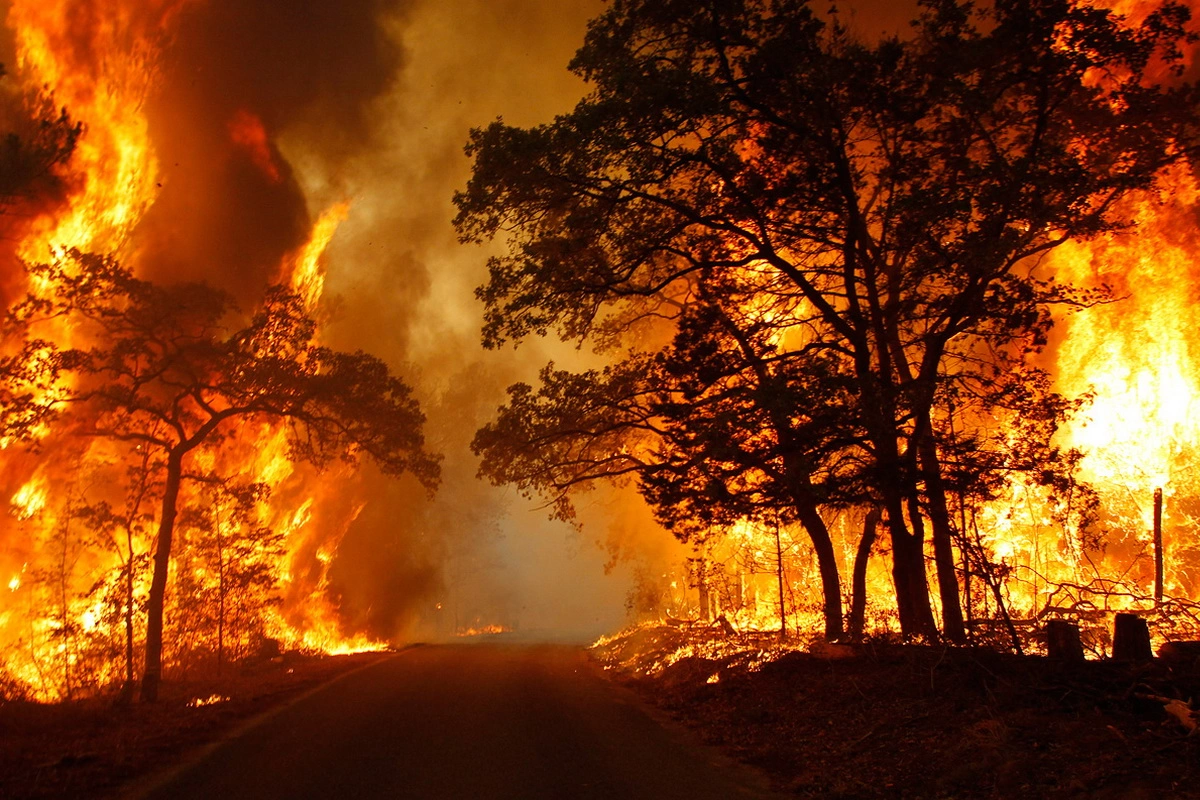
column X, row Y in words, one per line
column 943, row 549
column 831, row 584
column 152, row 675
column 908, row 574
column 858, row 587
column 896, row 483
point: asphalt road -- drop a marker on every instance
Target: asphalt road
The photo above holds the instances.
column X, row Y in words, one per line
column 465, row 721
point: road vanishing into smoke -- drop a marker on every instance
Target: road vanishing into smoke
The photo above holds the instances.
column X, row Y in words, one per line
column 465, row 721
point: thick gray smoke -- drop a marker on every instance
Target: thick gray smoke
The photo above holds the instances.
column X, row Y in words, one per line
column 270, row 112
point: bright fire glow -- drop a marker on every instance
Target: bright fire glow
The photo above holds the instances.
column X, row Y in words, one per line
column 54, row 633
column 29, row 500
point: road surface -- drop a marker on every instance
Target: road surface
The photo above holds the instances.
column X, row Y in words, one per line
column 472, row 721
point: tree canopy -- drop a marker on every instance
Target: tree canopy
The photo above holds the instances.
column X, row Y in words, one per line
column 859, row 224
column 177, row 368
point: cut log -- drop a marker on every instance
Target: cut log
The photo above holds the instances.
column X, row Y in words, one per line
column 1131, row 638
column 1062, row 641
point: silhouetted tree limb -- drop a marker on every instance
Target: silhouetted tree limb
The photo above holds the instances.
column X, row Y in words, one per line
column 162, row 369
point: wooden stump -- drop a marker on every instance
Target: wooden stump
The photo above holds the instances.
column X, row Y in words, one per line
column 1062, row 641
column 1131, row 638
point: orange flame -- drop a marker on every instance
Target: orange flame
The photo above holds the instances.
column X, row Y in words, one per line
column 101, row 61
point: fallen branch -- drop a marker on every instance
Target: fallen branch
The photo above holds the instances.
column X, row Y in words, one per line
column 1181, row 711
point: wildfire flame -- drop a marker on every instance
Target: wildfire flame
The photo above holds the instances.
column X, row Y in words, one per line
column 105, row 70
column 1136, row 363
column 1136, row 358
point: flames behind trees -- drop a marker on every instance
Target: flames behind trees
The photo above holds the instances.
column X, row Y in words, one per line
column 159, row 374
column 855, row 244
column 172, row 177
column 244, row 145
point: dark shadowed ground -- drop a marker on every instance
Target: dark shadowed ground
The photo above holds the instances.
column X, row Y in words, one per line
column 891, row 721
column 92, row 748
column 503, row 719
column 464, row 721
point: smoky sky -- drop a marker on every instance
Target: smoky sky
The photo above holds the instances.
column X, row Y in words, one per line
column 371, row 102
column 222, row 216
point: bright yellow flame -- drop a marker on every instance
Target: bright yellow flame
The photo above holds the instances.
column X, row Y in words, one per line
column 307, row 275
column 103, row 71
column 30, row 499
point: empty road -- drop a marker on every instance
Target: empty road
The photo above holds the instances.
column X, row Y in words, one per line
column 464, row 721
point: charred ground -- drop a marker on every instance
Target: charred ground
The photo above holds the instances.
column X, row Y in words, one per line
column 877, row 720
column 885, row 720
column 95, row 748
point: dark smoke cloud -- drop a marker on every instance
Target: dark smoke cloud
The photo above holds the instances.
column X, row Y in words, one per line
column 221, row 216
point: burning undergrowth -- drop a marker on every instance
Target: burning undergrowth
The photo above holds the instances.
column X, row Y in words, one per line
column 166, row 190
column 653, row 649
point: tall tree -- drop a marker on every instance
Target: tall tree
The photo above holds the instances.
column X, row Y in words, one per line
column 716, row 427
column 900, row 191
column 161, row 369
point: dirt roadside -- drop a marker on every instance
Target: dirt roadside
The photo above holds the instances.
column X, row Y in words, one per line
column 95, row 749
column 928, row 722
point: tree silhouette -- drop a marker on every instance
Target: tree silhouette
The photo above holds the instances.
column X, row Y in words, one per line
column 35, row 142
column 899, row 194
column 162, row 369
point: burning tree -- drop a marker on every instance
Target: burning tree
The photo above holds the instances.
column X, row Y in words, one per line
column 175, row 370
column 32, row 146
column 716, row 427
column 898, row 196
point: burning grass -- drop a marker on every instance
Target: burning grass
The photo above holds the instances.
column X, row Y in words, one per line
column 91, row 748
column 886, row 720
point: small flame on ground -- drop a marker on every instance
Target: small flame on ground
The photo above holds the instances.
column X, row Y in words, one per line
column 211, row 700
column 486, row 630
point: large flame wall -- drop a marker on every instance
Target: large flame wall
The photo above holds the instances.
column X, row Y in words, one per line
column 244, row 143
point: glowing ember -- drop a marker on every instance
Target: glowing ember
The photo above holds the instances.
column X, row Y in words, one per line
column 485, row 630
